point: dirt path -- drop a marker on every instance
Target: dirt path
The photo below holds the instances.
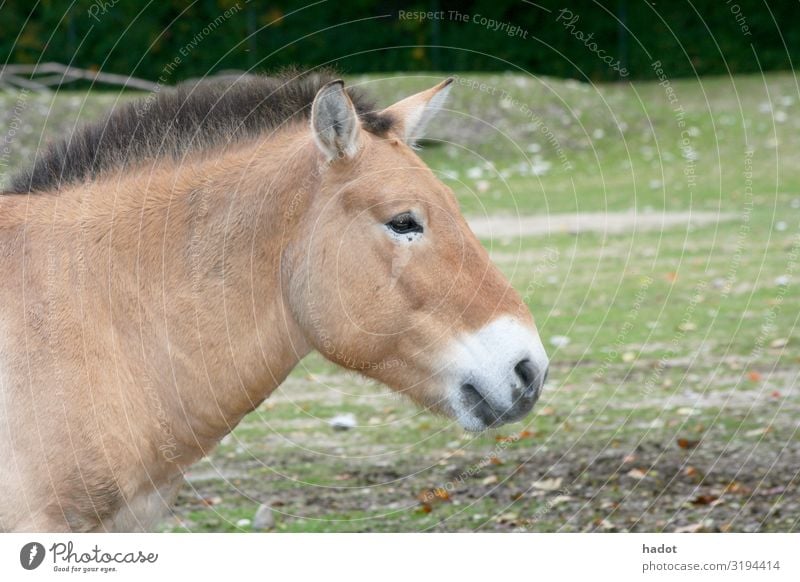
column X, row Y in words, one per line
column 602, row 222
column 650, row 487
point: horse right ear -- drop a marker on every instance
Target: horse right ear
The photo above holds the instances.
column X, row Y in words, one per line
column 413, row 113
column 334, row 122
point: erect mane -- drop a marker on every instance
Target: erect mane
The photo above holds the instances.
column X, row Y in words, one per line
column 191, row 117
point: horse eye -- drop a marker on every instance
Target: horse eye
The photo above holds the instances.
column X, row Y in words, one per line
column 404, row 223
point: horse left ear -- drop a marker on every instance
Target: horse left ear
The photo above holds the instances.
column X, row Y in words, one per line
column 412, row 114
column 334, row 121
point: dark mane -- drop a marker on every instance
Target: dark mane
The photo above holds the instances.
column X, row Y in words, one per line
column 191, row 117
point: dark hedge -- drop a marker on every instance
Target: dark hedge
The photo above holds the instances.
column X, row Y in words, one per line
column 175, row 40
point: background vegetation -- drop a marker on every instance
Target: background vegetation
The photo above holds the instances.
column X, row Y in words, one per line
column 700, row 37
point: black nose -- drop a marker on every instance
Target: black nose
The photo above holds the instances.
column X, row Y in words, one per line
column 482, row 403
column 532, row 379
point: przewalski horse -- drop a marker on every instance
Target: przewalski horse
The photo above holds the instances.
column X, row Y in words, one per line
column 163, row 271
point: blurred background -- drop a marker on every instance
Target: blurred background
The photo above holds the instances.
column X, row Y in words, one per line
column 717, row 37
column 631, row 166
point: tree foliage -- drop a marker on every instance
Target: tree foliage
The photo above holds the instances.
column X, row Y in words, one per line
column 180, row 39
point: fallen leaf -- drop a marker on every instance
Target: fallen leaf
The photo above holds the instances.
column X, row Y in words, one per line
column 604, row 524
column 546, row 411
column 736, row 487
column 509, row 518
column 757, row 431
column 779, row 490
column 441, row 494
column 425, row 496
column 704, row 499
column 688, row 444
column 637, row 473
column 490, row 480
column 754, row 376
column 547, row 484
column 425, row 508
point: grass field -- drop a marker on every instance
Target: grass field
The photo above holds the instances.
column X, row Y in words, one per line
column 673, row 400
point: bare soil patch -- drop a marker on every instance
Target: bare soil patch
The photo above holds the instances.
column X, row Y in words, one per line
column 600, row 222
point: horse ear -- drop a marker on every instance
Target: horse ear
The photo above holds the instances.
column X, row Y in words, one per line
column 413, row 113
column 334, row 121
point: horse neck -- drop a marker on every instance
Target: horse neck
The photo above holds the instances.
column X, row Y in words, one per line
column 203, row 257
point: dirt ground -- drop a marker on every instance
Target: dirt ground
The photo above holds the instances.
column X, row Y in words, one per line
column 648, row 488
column 555, row 472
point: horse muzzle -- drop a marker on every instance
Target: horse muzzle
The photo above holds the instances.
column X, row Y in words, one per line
column 497, row 373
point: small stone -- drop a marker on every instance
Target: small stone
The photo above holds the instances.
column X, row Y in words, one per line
column 344, row 421
column 244, row 522
column 559, row 341
column 264, row 519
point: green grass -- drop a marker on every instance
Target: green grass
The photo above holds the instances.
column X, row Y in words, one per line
column 681, row 334
column 622, row 142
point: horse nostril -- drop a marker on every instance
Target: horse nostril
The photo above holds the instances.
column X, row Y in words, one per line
column 471, row 395
column 477, row 404
column 526, row 372
column 532, row 379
